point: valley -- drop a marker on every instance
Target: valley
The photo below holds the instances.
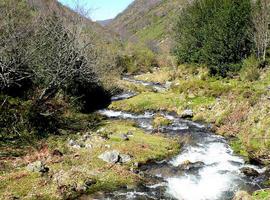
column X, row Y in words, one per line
column 169, row 100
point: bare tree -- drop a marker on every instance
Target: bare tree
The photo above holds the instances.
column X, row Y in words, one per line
column 60, row 57
column 261, row 20
column 15, row 33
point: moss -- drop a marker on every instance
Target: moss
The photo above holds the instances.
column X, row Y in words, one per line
column 158, row 76
column 125, row 85
column 160, row 121
column 261, row 195
column 239, row 148
column 79, row 165
column 149, row 101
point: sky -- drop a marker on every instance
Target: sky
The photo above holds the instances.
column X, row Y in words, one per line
column 100, row 9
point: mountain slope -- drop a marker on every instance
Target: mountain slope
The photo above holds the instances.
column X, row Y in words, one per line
column 100, row 32
column 104, row 22
column 149, row 22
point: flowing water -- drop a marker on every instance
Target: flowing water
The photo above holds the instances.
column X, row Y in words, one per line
column 214, row 173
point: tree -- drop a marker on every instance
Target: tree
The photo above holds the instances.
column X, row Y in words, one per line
column 216, row 33
column 261, row 20
column 16, row 32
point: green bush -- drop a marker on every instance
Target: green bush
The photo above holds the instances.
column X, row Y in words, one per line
column 13, row 117
column 139, row 59
column 250, row 70
column 215, row 33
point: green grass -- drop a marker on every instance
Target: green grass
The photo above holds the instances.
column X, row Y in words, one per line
column 79, row 165
column 235, row 108
column 160, row 121
column 261, row 195
column 165, row 101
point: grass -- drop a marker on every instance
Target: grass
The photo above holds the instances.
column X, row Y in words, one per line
column 261, row 195
column 158, row 76
column 165, row 101
column 160, row 121
column 79, row 165
column 235, row 108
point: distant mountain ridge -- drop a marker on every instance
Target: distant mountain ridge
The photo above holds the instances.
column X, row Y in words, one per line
column 104, row 22
column 149, row 22
column 100, row 32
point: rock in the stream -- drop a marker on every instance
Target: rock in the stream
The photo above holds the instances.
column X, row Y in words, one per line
column 110, row 156
column 187, row 114
column 187, row 165
column 250, row 172
column 242, row 195
column 37, row 166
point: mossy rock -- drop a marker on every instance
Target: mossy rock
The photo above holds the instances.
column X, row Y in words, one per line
column 160, row 121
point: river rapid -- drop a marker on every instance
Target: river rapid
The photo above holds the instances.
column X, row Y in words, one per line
column 205, row 169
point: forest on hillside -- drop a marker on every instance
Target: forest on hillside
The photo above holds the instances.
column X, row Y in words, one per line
column 74, row 93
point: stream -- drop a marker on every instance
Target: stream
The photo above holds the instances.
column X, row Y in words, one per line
column 205, row 169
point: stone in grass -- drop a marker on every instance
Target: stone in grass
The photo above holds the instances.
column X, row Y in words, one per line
column 110, row 156
column 124, row 137
column 124, row 158
column 114, row 157
column 187, row 114
column 37, row 166
column 76, row 144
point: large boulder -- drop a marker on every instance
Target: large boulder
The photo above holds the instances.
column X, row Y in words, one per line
column 242, row 195
column 110, row 156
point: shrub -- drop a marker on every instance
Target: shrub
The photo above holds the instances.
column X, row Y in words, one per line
column 16, row 33
column 250, row 70
column 13, row 117
column 216, row 33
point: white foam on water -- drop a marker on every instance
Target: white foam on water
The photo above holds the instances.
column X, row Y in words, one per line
column 124, row 115
column 211, row 153
column 179, row 127
column 122, row 96
column 211, row 186
column 145, row 83
column 220, row 174
column 132, row 195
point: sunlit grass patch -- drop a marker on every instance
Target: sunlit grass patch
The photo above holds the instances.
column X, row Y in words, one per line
column 79, row 165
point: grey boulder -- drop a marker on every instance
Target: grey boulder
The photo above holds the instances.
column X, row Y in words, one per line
column 114, row 157
column 110, row 156
column 37, row 166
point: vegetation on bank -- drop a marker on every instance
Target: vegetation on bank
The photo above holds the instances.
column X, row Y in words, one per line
column 54, row 70
column 50, row 61
column 69, row 172
column 236, row 108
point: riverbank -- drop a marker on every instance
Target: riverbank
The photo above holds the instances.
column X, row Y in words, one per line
column 236, row 109
column 67, row 166
column 75, row 160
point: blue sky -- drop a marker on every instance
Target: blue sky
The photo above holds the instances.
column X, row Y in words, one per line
column 100, row 9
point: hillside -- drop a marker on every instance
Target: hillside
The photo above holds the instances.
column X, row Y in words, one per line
column 100, row 33
column 104, row 22
column 148, row 22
